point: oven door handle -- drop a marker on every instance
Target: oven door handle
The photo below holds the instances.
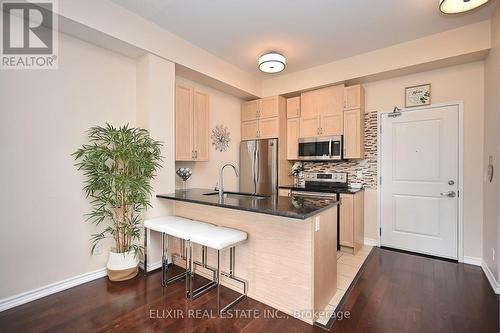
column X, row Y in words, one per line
column 314, row 194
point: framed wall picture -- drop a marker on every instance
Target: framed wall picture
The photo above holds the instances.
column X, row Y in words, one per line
column 418, row 95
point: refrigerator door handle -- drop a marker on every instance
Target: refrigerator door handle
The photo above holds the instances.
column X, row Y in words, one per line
column 254, row 170
column 257, row 162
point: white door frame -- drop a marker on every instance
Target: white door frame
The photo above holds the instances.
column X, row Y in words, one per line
column 460, row 105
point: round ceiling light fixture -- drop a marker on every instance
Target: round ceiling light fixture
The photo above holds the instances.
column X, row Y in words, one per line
column 459, row 6
column 272, row 62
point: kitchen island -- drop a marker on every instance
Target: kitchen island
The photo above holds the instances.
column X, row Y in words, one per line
column 289, row 258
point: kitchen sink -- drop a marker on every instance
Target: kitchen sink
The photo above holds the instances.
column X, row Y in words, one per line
column 238, row 195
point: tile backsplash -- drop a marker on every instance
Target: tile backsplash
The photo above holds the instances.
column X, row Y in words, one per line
column 367, row 166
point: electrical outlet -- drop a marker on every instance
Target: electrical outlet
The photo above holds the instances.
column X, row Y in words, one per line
column 493, row 254
column 98, row 249
column 316, row 223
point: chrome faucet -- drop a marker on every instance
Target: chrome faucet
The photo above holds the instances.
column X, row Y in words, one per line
column 221, row 178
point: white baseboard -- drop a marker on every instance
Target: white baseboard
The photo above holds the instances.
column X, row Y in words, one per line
column 151, row 265
column 31, row 295
column 371, row 242
column 50, row 289
column 491, row 278
column 473, row 261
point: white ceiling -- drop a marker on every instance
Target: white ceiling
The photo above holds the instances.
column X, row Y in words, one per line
column 307, row 32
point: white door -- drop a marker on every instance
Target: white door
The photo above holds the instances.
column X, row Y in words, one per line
column 419, row 190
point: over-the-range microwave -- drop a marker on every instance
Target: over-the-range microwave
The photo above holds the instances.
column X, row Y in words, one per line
column 321, row 149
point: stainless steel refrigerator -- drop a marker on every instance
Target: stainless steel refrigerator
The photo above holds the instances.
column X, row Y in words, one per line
column 259, row 167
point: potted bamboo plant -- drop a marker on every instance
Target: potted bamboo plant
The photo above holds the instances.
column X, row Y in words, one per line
column 118, row 165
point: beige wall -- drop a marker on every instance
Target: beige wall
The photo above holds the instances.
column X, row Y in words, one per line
column 491, row 148
column 224, row 110
column 135, row 30
column 43, row 118
column 155, row 112
column 458, row 83
column 432, row 49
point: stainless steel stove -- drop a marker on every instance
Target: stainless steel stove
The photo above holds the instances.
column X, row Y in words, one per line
column 322, row 184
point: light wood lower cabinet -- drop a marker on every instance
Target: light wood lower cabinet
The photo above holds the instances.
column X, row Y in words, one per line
column 285, row 192
column 352, row 221
column 192, row 112
column 292, row 134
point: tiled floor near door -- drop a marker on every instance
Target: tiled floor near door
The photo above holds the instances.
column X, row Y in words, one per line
column 348, row 266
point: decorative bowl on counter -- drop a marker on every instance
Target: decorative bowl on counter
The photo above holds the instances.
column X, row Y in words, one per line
column 184, row 174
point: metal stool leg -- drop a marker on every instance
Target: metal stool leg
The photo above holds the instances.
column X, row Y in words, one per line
column 218, row 281
column 163, row 259
column 145, row 251
column 188, row 268
column 231, row 276
column 195, row 293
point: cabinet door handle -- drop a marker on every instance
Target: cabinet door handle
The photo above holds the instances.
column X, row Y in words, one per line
column 192, row 154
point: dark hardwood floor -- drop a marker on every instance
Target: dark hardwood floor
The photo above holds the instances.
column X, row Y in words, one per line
column 396, row 292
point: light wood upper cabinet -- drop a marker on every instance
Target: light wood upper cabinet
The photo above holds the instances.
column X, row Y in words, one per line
column 269, row 107
column 260, row 108
column 184, row 123
column 354, row 123
column 249, row 130
column 354, row 97
column 352, row 221
column 268, row 128
column 292, row 133
column 326, row 105
column 328, row 100
column 331, row 124
column 309, row 126
column 192, row 111
column 354, row 134
column 250, row 110
column 266, row 119
column 201, row 113
column 293, row 107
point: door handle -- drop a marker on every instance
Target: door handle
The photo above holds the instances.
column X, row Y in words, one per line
column 450, row 194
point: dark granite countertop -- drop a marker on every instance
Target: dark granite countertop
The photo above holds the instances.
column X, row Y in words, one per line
column 347, row 190
column 296, row 208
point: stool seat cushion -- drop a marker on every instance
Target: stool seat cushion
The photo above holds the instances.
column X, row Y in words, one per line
column 218, row 237
column 175, row 226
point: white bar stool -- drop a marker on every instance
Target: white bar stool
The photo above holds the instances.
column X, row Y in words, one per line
column 218, row 238
column 175, row 226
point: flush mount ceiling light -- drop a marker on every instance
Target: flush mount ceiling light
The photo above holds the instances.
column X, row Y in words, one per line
column 459, row 6
column 272, row 62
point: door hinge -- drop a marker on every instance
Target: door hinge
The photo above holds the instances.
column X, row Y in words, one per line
column 380, row 181
column 380, row 128
column 380, row 231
